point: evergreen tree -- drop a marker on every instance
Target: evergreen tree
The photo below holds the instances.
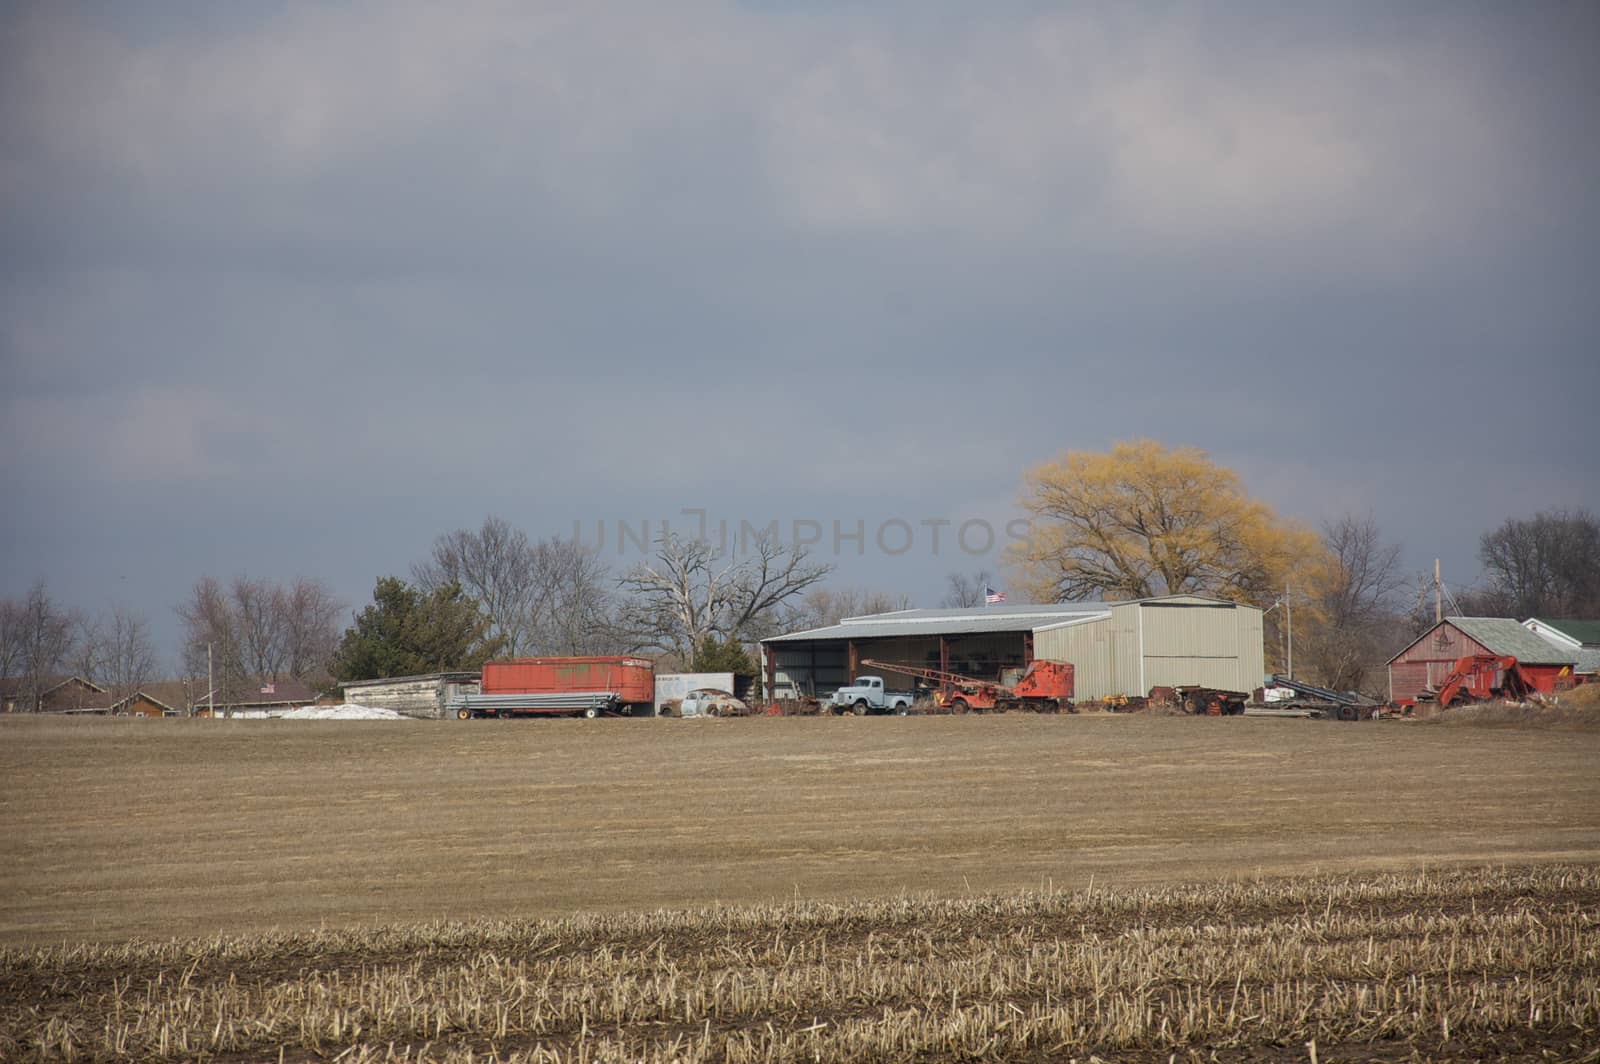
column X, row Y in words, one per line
column 723, row 655
column 406, row 632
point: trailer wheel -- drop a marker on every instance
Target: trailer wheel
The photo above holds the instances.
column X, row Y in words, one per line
column 1193, row 706
column 1349, row 713
column 959, row 705
column 463, row 713
column 591, row 713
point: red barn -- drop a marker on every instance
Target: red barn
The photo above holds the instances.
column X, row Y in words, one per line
column 1423, row 666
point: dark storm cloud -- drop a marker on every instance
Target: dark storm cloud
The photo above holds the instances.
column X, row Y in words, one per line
column 342, row 278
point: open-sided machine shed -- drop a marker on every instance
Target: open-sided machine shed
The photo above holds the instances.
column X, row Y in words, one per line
column 1116, row 648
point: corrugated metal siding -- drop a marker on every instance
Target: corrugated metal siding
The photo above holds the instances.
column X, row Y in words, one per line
column 1104, row 653
column 1221, row 673
column 1203, row 645
column 1252, row 648
column 1190, row 632
column 1182, row 643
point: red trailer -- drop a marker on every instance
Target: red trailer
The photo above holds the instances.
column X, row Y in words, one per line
column 584, row 687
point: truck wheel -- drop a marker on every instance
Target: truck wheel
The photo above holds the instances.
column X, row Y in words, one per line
column 959, row 705
column 860, row 707
column 591, row 713
column 902, row 710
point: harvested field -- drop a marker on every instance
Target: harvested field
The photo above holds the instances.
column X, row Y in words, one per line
column 1013, row 887
column 123, row 828
column 1418, row 966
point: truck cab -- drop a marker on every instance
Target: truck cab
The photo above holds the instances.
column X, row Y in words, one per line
column 867, row 695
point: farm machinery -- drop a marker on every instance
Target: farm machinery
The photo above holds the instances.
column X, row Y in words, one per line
column 1479, row 677
column 1199, row 701
column 1325, row 702
column 1044, row 686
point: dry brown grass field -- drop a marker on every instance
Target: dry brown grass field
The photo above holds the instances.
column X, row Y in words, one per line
column 1004, row 887
column 120, row 828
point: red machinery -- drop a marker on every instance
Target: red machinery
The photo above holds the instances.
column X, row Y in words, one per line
column 1046, row 686
column 1481, row 676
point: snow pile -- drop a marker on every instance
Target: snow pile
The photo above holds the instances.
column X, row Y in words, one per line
column 348, row 711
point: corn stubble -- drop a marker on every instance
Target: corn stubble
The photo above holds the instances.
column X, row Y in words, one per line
column 1434, row 965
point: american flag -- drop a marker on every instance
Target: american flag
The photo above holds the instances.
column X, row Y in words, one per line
column 269, row 688
column 991, row 596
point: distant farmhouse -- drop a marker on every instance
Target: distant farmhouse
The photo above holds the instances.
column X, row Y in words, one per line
column 156, row 698
column 1581, row 638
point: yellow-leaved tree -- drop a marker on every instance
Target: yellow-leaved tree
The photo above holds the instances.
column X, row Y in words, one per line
column 1143, row 520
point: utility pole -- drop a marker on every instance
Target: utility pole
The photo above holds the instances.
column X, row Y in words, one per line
column 1439, row 596
column 211, row 687
column 1288, row 616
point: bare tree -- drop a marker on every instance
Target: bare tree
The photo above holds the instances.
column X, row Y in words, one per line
column 258, row 612
column 693, row 590
column 578, row 618
column 966, row 591
column 309, row 623
column 546, row 596
column 498, row 567
column 1548, row 565
column 127, row 659
column 823, row 606
column 11, row 642
column 41, row 640
column 257, row 632
column 86, row 658
column 1355, row 614
column 770, row 576
column 212, row 646
column 676, row 600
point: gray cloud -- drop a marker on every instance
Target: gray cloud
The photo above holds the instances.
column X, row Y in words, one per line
column 341, row 278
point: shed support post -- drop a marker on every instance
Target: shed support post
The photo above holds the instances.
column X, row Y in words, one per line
column 1027, row 649
column 852, row 662
column 772, row 673
column 944, row 663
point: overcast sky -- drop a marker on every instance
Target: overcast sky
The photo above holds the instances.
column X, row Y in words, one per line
column 291, row 289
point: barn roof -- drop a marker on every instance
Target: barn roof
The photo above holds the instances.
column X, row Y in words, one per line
column 977, row 620
column 1502, row 635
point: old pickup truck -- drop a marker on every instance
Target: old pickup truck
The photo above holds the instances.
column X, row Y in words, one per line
column 867, row 695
